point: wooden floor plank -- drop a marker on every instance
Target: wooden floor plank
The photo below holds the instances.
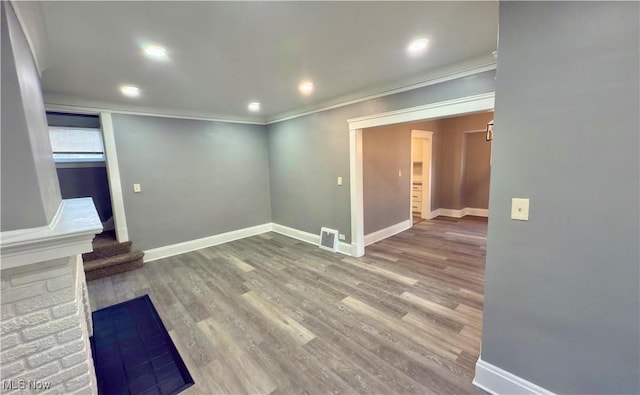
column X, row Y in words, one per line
column 278, row 318
column 274, row 315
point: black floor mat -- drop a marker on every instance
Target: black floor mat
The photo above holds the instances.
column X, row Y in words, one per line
column 133, row 353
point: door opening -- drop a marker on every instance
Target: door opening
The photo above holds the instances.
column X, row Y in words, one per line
column 421, row 167
column 78, row 151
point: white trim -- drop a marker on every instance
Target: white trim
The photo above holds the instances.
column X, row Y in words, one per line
column 463, row 105
column 426, row 192
column 113, row 175
column 192, row 245
column 447, row 73
column 470, row 104
column 478, row 212
column 499, row 381
column 389, row 231
column 356, row 188
column 434, row 213
column 68, row 104
column 343, row 248
column 455, row 213
column 70, row 233
column 450, row 212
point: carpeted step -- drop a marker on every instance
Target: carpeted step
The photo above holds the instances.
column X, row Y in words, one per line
column 105, row 245
column 111, row 265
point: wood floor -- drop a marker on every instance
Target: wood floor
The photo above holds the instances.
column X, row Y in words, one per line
column 272, row 315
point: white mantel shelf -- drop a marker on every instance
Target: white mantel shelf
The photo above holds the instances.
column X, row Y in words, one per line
column 70, row 233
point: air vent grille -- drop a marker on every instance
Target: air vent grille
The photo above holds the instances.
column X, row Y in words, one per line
column 329, row 239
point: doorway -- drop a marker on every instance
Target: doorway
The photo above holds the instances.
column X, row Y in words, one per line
column 421, row 177
column 466, row 105
column 78, row 151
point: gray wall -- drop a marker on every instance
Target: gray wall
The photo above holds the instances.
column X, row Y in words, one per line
column 306, row 154
column 451, row 163
column 82, row 181
column 30, row 192
column 385, row 150
column 476, row 154
column 460, row 168
column 562, row 290
column 198, row 178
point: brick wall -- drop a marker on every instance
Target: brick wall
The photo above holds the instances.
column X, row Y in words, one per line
column 45, row 329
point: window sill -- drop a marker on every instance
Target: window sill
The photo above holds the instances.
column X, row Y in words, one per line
column 75, row 164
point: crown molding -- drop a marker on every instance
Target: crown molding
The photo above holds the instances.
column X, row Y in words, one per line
column 55, row 102
column 450, row 72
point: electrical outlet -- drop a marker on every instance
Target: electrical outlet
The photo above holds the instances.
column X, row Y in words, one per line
column 342, row 237
column 339, row 180
column 520, row 209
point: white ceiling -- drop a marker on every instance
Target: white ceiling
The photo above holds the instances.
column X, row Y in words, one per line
column 226, row 54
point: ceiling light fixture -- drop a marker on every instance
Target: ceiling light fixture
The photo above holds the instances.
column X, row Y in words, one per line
column 417, row 46
column 306, row 87
column 155, row 52
column 130, row 90
column 254, row 106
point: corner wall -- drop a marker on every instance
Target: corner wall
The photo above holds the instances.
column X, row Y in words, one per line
column 198, row 178
column 385, row 151
column 30, row 191
column 562, row 295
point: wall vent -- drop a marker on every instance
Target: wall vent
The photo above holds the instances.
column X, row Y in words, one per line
column 329, row 239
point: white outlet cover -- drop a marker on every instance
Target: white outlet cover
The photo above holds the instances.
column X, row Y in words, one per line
column 136, row 188
column 520, row 209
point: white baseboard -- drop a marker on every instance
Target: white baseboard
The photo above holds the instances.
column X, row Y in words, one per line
column 191, row 245
column 343, row 248
column 498, row 381
column 387, row 232
column 449, row 212
column 478, row 212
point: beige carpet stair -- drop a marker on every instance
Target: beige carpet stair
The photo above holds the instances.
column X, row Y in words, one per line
column 110, row 257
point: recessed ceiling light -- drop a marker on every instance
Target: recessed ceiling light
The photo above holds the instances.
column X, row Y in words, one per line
column 306, row 87
column 130, row 90
column 417, row 46
column 155, row 52
column 254, row 106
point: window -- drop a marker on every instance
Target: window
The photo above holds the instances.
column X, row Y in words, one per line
column 76, row 144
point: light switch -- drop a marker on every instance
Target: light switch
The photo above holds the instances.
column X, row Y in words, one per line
column 341, row 236
column 339, row 180
column 520, row 209
column 136, row 188
column 399, row 173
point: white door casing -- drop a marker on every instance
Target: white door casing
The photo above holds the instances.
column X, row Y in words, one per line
column 465, row 105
